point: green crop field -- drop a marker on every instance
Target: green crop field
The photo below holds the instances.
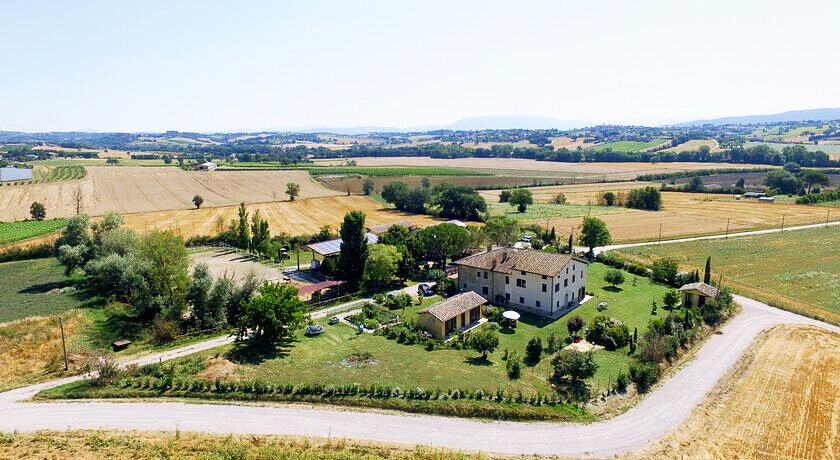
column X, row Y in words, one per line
column 797, row 270
column 543, row 211
column 831, row 149
column 628, row 146
column 38, row 287
column 17, row 231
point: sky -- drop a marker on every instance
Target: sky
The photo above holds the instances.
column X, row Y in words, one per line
column 239, row 66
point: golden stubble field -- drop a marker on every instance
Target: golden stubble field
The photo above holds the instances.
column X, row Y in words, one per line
column 293, row 218
column 682, row 214
column 781, row 401
column 611, row 171
column 133, row 189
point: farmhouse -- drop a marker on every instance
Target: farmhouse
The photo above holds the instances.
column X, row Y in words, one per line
column 457, row 313
column 696, row 294
column 532, row 281
column 206, row 166
column 10, row 173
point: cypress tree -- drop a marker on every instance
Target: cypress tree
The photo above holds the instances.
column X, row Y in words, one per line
column 707, row 274
column 354, row 249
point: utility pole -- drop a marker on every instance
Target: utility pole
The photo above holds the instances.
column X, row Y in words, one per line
column 727, row 228
column 783, row 223
column 827, row 212
column 660, row 234
column 63, row 344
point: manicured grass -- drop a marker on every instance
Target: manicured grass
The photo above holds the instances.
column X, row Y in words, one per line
column 17, row 231
column 31, row 288
column 797, row 270
column 628, row 146
column 543, row 211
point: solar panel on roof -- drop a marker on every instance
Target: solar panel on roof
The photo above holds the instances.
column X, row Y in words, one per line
column 326, row 248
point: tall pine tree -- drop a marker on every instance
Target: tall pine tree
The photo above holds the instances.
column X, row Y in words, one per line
column 707, row 273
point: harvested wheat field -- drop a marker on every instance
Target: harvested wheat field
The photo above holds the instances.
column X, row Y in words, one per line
column 682, row 214
column 694, row 144
column 568, row 143
column 781, row 401
column 612, row 171
column 128, row 189
column 103, row 153
column 293, row 218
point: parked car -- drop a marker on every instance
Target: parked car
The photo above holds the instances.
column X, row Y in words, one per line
column 526, row 239
column 425, row 289
column 333, row 320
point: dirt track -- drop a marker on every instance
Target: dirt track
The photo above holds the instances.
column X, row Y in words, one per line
column 132, row 189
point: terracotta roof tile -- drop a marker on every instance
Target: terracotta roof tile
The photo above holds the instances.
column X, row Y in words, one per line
column 455, row 305
column 702, row 288
column 506, row 260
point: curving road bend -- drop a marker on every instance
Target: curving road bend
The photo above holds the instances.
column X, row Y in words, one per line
column 664, row 409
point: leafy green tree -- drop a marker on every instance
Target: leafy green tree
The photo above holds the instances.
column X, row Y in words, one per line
column 394, row 192
column 504, row 196
column 274, row 315
column 354, row 249
column 594, row 233
column 293, row 190
column 501, row 230
column 609, row 198
column 260, row 235
column 37, row 211
column 381, row 265
column 812, row 177
column 167, row 275
column 614, row 277
column 783, row 181
column 671, row 299
column 198, row 296
column 792, row 167
column 244, row 235
column 648, row 198
column 198, row 201
column 444, row 241
column 484, row 341
column 458, row 202
column 406, row 243
column 665, row 269
column 425, row 183
column 574, row 365
column 513, row 366
column 521, row 198
column 740, row 183
column 367, row 186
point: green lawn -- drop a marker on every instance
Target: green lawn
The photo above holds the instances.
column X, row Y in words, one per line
column 31, row 288
column 797, row 270
column 17, row 231
column 628, row 146
column 543, row 211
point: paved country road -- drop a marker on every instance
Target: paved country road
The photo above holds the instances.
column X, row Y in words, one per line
column 662, row 410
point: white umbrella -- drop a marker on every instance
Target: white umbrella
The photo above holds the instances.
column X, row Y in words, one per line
column 511, row 315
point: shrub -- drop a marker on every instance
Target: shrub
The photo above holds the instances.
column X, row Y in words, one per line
column 575, row 324
column 644, row 375
column 533, row 350
column 574, row 365
column 609, row 332
column 107, row 372
column 492, row 313
column 164, row 331
column 621, row 381
column 665, row 270
column 553, row 343
column 513, row 366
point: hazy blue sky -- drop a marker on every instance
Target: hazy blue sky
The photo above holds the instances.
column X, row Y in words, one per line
column 203, row 66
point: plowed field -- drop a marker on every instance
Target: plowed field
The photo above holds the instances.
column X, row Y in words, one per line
column 782, row 401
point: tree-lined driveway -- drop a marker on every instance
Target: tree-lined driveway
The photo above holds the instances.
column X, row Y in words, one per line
column 662, row 410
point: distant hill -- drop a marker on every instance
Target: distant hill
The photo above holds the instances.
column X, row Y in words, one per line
column 793, row 115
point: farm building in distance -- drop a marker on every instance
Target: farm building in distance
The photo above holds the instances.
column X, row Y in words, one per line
column 206, row 166
column 379, row 229
column 10, row 173
column 697, row 294
column 532, row 281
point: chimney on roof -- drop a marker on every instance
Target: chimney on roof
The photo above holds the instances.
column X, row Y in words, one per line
column 489, row 247
column 493, row 267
